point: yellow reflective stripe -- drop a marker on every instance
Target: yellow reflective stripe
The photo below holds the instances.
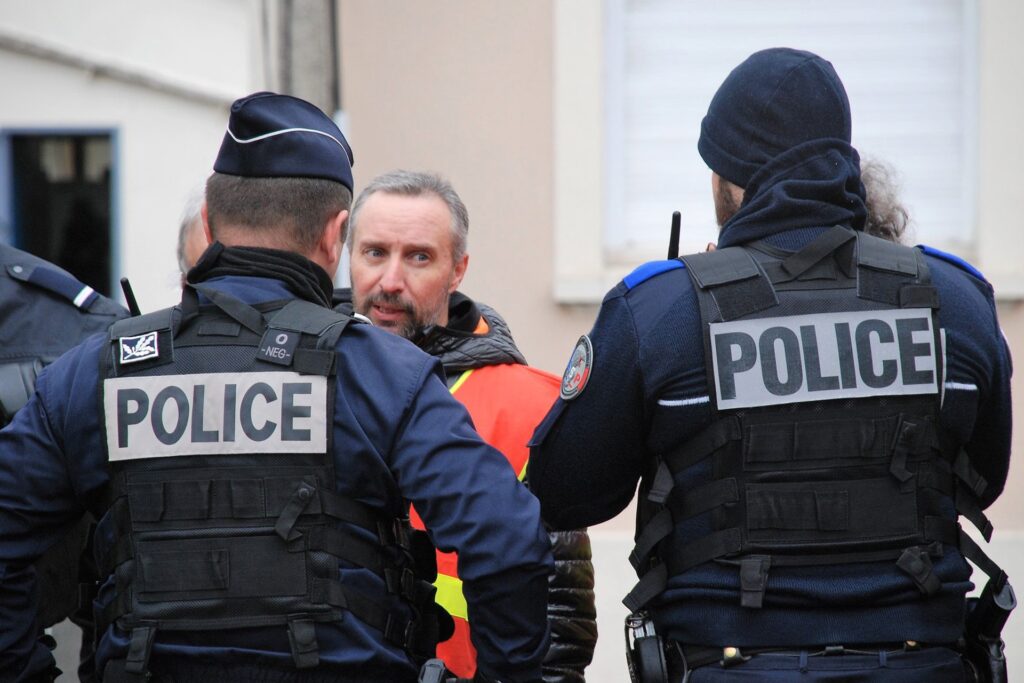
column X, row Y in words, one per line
column 449, row 595
column 460, row 381
column 522, row 472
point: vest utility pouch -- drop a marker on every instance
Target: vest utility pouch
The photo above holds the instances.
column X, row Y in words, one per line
column 825, row 371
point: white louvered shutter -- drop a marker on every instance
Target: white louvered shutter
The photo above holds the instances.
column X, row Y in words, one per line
column 908, row 66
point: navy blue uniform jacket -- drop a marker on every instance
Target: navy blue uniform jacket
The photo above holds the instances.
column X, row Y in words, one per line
column 647, row 394
column 397, row 434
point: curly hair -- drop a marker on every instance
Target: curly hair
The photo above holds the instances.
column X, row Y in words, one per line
column 887, row 217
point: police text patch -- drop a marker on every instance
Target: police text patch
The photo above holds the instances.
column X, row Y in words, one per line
column 171, row 415
column 824, row 356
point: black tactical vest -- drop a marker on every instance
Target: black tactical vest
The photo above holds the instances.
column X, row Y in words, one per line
column 219, row 428
column 825, row 376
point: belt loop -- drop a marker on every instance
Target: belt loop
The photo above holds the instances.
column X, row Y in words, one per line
column 883, row 658
column 803, row 661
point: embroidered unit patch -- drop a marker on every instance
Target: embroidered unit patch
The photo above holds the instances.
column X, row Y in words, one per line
column 135, row 349
column 578, row 371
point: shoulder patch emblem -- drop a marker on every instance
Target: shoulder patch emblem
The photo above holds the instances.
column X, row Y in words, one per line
column 138, row 348
column 577, row 373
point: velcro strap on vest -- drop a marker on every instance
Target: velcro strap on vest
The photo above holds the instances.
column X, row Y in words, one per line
column 916, row 563
column 352, row 512
column 919, row 296
column 821, row 247
column 705, row 549
column 885, row 268
column 297, row 504
column 973, row 552
column 657, row 528
column 818, row 441
column 689, row 504
column 754, row 580
column 911, row 437
column 968, row 506
column 714, row 437
column 314, row 362
column 798, row 509
column 303, row 643
column 418, row 637
column 140, row 646
column 651, row 585
column 344, row 546
column 303, row 316
column 662, row 485
column 964, row 471
column 734, row 280
column 883, row 255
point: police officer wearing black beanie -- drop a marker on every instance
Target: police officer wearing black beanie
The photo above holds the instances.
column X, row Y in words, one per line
column 809, row 411
column 250, row 455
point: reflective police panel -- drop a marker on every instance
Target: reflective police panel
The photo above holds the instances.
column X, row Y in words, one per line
column 219, row 413
column 791, row 359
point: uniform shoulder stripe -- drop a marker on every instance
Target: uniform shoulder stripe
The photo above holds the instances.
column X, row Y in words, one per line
column 649, row 270
column 954, row 259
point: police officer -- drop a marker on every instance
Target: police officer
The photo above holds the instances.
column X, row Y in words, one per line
column 807, row 409
column 44, row 311
column 250, row 455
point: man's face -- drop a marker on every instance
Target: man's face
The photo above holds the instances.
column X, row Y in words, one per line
column 402, row 266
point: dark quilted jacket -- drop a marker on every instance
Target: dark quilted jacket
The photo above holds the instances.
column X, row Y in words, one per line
column 571, row 611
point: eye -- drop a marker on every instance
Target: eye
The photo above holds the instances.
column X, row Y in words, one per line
column 421, row 257
column 373, row 252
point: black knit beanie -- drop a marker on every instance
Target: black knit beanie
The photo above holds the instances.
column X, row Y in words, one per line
column 775, row 100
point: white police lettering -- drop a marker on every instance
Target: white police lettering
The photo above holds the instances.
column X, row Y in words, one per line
column 219, row 413
column 824, row 356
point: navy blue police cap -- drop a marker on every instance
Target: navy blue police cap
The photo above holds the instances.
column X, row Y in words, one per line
column 279, row 136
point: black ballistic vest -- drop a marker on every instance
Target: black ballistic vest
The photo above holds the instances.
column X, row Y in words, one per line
column 219, row 437
column 825, row 376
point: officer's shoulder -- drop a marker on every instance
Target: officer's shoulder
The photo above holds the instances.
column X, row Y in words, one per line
column 48, row 281
column 649, row 271
column 954, row 260
column 364, row 340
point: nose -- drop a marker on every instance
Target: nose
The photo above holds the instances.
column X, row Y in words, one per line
column 392, row 280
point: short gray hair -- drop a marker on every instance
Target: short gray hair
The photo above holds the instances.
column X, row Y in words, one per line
column 416, row 184
column 189, row 215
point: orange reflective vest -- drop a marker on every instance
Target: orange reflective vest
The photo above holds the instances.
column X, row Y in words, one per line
column 506, row 403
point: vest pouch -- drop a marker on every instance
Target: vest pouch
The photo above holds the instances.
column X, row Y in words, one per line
column 839, row 515
column 232, row 579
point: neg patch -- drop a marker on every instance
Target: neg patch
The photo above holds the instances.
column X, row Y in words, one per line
column 823, row 356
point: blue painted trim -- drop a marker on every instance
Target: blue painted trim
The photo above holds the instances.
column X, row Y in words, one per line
column 952, row 258
column 6, row 190
column 116, row 250
column 649, row 270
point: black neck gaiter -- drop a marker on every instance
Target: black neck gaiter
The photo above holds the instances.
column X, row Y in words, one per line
column 301, row 276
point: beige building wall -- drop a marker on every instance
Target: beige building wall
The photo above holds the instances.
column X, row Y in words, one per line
column 466, row 89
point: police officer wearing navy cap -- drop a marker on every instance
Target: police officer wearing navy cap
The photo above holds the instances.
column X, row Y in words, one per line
column 808, row 410
column 44, row 311
column 251, row 455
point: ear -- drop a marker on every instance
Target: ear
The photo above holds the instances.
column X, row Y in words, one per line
column 206, row 223
column 458, row 273
column 331, row 242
